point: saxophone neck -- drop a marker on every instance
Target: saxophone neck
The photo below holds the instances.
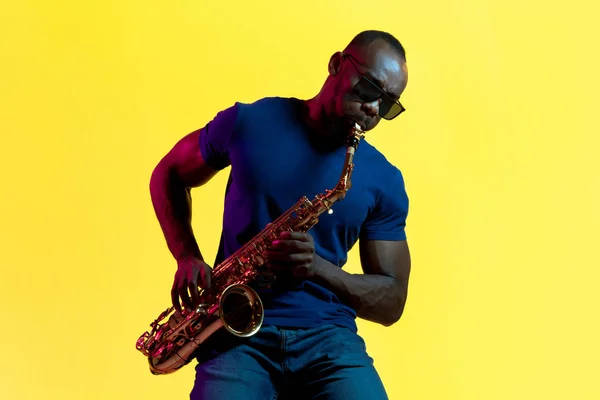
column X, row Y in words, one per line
column 354, row 136
column 352, row 141
column 344, row 183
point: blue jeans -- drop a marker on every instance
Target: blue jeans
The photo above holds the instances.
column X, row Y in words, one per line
column 325, row 363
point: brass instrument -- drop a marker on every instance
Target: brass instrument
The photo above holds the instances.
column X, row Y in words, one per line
column 232, row 303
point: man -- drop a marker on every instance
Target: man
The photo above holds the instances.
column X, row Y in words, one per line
column 279, row 150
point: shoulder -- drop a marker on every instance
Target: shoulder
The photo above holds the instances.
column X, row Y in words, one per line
column 241, row 114
column 387, row 181
column 388, row 174
column 265, row 105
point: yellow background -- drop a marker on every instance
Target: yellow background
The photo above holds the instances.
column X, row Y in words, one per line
column 498, row 148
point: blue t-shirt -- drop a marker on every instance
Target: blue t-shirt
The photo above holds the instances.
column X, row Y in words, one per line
column 273, row 164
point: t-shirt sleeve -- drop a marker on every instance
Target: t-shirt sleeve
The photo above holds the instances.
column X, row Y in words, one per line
column 215, row 138
column 387, row 220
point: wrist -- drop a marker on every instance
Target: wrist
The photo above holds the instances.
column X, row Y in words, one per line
column 321, row 268
column 189, row 256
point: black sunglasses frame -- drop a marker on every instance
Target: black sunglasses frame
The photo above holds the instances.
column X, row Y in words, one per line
column 383, row 94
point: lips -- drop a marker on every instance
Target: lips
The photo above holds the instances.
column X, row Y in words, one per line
column 352, row 121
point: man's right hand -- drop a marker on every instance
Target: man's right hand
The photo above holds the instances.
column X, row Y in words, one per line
column 192, row 274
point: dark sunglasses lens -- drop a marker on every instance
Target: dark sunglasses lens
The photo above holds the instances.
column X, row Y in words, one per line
column 368, row 92
column 389, row 109
column 365, row 91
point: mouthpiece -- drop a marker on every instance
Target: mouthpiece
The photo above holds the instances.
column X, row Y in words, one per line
column 355, row 135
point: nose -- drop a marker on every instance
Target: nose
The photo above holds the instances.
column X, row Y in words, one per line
column 371, row 108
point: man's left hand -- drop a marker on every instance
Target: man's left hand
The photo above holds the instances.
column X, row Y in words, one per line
column 293, row 252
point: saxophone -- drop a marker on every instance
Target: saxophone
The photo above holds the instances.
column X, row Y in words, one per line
column 231, row 303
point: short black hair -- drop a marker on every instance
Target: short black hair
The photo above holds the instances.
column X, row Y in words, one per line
column 365, row 38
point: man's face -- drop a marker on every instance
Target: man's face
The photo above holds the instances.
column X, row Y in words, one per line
column 381, row 65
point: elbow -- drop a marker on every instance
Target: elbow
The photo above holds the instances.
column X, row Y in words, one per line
column 164, row 187
column 386, row 315
column 392, row 319
column 163, row 176
column 159, row 178
column 394, row 314
column 396, row 304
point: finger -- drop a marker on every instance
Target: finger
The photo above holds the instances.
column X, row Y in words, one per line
column 183, row 293
column 300, row 236
column 300, row 270
column 277, row 266
column 292, row 246
column 206, row 278
column 291, row 259
column 276, row 260
column 175, row 298
column 280, row 266
column 195, row 296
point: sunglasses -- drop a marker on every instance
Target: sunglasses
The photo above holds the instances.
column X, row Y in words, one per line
column 368, row 91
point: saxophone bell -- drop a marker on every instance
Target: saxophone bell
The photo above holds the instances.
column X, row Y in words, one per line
column 241, row 310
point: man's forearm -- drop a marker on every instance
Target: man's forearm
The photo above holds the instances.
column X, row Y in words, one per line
column 377, row 298
column 172, row 205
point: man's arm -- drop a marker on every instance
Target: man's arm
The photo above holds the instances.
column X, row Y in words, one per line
column 180, row 170
column 378, row 295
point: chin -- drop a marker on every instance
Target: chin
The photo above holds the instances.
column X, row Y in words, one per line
column 341, row 125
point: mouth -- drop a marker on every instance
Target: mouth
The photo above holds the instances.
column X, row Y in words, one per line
column 352, row 121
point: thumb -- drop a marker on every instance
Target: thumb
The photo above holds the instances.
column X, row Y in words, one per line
column 206, row 273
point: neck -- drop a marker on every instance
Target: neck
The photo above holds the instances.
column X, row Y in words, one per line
column 314, row 116
column 321, row 133
column 317, row 120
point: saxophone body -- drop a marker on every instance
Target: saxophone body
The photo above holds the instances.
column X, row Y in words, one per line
column 231, row 303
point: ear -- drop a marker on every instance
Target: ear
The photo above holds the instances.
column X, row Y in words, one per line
column 335, row 63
